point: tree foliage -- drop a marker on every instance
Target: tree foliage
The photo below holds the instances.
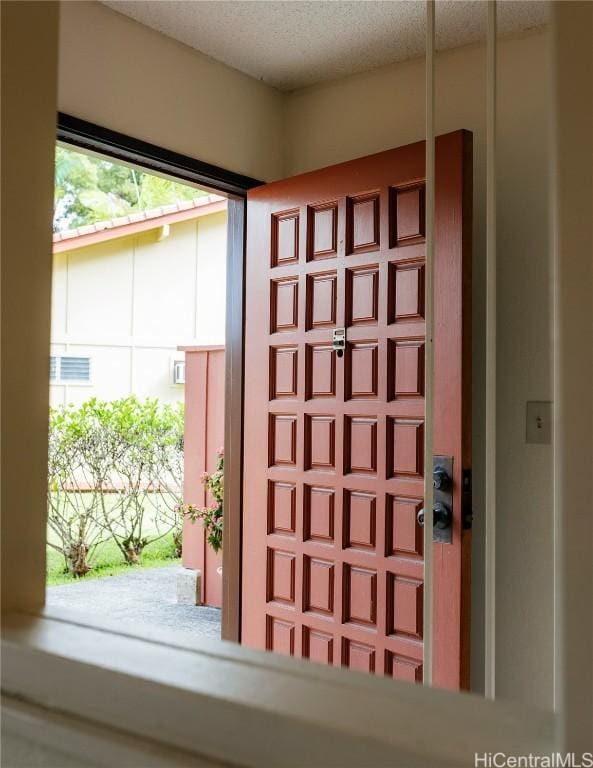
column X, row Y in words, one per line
column 90, row 189
column 115, row 471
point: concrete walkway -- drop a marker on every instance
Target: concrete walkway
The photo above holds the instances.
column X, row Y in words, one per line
column 144, row 596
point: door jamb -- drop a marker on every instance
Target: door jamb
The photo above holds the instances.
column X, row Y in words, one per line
column 233, row 422
column 95, row 138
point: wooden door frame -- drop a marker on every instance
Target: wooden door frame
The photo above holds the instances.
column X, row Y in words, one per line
column 234, row 186
column 233, row 421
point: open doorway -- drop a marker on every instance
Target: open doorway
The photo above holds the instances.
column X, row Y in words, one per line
column 139, row 262
column 370, row 465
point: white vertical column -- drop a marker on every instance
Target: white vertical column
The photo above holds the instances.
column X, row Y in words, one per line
column 429, row 357
column 490, row 553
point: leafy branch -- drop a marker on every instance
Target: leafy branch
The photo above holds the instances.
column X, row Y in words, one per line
column 212, row 515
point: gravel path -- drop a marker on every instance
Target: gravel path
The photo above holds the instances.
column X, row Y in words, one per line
column 144, row 596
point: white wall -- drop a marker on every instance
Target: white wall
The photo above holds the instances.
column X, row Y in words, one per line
column 370, row 112
column 128, row 303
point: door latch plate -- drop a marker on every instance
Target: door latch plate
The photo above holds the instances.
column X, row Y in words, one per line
column 339, row 341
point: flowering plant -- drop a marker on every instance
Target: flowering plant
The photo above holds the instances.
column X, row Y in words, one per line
column 212, row 515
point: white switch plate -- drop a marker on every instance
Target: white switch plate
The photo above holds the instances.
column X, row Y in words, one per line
column 539, row 422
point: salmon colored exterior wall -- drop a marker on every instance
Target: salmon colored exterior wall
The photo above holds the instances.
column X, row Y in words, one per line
column 204, row 435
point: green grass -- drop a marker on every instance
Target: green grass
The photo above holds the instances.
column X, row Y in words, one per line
column 108, row 561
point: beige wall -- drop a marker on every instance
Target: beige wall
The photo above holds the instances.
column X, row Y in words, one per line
column 367, row 113
column 128, row 303
column 29, row 58
column 132, row 79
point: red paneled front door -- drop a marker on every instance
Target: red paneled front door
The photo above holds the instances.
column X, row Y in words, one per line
column 333, row 475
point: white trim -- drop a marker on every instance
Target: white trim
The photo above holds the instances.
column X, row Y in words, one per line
column 27, row 727
column 66, row 295
column 250, row 708
column 427, row 634
column 133, row 316
column 142, row 342
column 490, row 436
column 196, row 277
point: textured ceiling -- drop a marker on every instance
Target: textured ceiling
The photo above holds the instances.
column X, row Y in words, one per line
column 293, row 43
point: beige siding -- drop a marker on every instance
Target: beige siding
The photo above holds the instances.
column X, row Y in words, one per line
column 59, row 303
column 100, row 290
column 130, row 302
column 164, row 283
column 211, row 298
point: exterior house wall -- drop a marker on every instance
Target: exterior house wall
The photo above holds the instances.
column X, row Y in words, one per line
column 128, row 303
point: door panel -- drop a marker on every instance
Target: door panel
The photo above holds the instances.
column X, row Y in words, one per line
column 333, row 475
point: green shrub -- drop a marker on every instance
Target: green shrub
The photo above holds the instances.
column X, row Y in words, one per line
column 115, row 471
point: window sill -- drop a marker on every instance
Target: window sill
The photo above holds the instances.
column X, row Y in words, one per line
column 34, row 736
column 223, row 702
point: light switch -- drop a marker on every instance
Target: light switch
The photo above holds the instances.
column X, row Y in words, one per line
column 539, row 422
